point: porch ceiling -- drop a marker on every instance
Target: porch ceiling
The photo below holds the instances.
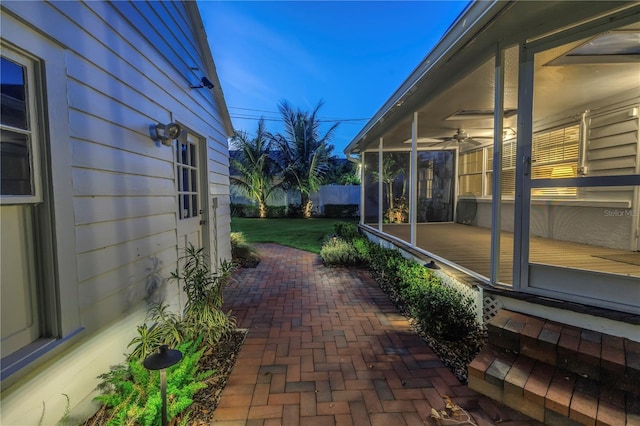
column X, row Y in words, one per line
column 466, row 80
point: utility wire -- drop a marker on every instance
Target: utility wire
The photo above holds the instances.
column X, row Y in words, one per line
column 320, row 118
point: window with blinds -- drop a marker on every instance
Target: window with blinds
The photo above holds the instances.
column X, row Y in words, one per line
column 470, row 164
column 508, row 168
column 555, row 156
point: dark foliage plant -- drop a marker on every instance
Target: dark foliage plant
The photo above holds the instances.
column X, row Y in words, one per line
column 340, row 210
column 131, row 393
column 442, row 313
column 336, row 251
column 348, row 231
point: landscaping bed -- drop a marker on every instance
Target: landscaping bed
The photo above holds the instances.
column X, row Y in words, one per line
column 444, row 317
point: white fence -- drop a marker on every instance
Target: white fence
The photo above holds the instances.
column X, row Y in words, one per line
column 328, row 194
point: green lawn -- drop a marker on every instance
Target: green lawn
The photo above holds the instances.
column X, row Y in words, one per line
column 304, row 234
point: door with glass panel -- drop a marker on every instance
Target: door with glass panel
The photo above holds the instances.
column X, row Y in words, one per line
column 580, row 168
column 189, row 171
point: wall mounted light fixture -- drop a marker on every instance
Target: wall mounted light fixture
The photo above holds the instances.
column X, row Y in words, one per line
column 165, row 133
column 204, row 82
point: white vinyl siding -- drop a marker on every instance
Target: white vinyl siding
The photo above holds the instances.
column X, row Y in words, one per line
column 119, row 83
column 121, row 67
column 613, row 143
column 612, row 149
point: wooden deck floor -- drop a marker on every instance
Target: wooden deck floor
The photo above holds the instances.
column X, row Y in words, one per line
column 470, row 247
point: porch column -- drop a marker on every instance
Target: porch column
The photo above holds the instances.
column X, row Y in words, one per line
column 362, row 185
column 523, row 170
column 496, row 199
column 413, row 183
column 380, row 192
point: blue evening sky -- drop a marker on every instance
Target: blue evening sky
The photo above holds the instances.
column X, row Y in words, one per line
column 351, row 54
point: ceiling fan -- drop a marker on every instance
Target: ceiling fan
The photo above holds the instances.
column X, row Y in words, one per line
column 461, row 137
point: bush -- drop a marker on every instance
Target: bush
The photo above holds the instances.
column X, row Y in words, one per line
column 336, row 251
column 276, row 211
column 131, row 393
column 237, row 210
column 240, row 247
column 441, row 311
column 346, row 230
column 362, row 246
column 445, row 313
column 244, row 210
column 340, row 210
column 203, row 288
column 294, row 210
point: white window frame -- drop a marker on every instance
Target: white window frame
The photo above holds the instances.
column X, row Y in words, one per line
column 60, row 246
column 34, row 143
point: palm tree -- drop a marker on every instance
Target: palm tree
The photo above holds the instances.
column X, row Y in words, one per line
column 390, row 173
column 305, row 153
column 257, row 171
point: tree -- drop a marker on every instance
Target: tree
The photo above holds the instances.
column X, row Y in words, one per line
column 390, row 172
column 256, row 169
column 305, row 153
column 341, row 172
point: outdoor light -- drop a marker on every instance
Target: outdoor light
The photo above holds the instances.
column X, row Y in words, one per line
column 164, row 358
column 165, row 133
column 204, row 82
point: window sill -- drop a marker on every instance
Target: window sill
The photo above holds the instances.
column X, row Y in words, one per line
column 27, row 358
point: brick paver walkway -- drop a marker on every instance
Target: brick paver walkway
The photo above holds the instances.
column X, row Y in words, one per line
column 327, row 347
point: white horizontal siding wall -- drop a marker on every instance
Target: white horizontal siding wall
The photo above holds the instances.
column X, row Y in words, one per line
column 129, row 65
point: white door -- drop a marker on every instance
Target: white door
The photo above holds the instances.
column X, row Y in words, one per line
column 190, row 175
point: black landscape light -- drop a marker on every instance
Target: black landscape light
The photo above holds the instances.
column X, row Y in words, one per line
column 161, row 360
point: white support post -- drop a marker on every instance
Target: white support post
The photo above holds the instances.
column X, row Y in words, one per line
column 523, row 170
column 413, row 183
column 380, row 191
column 362, row 186
column 496, row 199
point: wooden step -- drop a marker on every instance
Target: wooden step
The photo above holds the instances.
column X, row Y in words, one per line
column 601, row 357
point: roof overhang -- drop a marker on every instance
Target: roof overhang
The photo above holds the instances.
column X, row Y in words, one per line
column 210, row 66
column 470, row 42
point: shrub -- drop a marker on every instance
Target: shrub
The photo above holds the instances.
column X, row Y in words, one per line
column 240, row 247
column 203, row 288
column 336, row 251
column 362, row 246
column 276, row 211
column 346, row 230
column 340, row 210
column 167, row 328
column 237, row 210
column 294, row 210
column 441, row 311
column 251, row 211
column 445, row 314
column 131, row 393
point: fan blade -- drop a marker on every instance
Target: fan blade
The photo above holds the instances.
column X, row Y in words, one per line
column 473, row 142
